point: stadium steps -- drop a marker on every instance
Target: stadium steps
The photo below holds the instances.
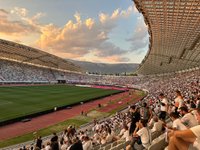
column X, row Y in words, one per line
column 117, row 145
column 158, row 143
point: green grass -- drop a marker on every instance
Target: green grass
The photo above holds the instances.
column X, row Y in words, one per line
column 24, row 100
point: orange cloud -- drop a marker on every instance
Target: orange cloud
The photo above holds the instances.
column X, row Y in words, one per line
column 16, row 25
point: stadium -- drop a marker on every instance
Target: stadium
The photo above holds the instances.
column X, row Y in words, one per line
column 49, row 103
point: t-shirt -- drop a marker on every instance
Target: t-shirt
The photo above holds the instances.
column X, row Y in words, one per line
column 48, row 147
column 178, row 125
column 134, row 118
column 196, row 131
column 39, row 143
column 144, row 135
column 189, row 120
column 122, row 132
column 144, row 112
column 157, row 126
column 64, row 147
column 109, row 138
column 179, row 102
column 77, row 146
column 87, row 145
column 126, row 135
column 164, row 101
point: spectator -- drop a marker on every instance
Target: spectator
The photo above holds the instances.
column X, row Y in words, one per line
column 187, row 118
column 39, row 142
column 177, row 124
column 145, row 112
column 158, row 125
column 141, row 132
column 77, row 144
column 87, row 144
column 135, row 117
column 178, row 100
column 164, row 106
column 185, row 139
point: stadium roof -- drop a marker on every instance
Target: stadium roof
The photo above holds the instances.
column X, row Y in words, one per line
column 24, row 54
column 174, row 29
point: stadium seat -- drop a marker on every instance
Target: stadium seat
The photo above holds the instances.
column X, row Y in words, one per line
column 107, row 147
column 97, row 147
column 158, row 144
column 114, row 144
column 155, row 135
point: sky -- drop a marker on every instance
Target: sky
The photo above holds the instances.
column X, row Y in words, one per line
column 103, row 31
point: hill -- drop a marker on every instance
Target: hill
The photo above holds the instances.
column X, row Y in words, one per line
column 104, row 68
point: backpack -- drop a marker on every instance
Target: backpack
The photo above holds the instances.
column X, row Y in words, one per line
column 145, row 113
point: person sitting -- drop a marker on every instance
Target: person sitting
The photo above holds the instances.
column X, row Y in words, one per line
column 185, row 139
column 157, row 125
column 177, row 124
column 188, row 119
column 141, row 133
column 125, row 134
column 77, row 144
column 87, row 143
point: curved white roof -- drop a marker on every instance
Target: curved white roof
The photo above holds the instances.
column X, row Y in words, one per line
column 174, row 29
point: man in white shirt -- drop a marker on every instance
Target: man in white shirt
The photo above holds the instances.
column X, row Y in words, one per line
column 142, row 132
column 87, row 143
column 188, row 119
column 64, row 146
column 157, row 125
column 126, row 135
column 177, row 124
column 164, row 106
column 186, row 139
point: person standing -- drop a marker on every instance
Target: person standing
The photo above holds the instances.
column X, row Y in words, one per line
column 145, row 113
column 178, row 101
column 135, row 117
column 164, row 106
column 39, row 142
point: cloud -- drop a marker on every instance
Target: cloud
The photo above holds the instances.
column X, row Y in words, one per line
column 107, row 59
column 112, row 59
column 139, row 40
column 3, row 13
column 17, row 23
column 108, row 49
column 80, row 37
column 126, row 13
column 19, row 11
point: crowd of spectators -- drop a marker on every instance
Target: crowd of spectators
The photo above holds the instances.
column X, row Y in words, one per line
column 11, row 71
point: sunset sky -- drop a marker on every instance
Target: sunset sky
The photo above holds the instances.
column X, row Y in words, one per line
column 107, row 31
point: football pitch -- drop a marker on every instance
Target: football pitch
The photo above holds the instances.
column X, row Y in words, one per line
column 18, row 101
